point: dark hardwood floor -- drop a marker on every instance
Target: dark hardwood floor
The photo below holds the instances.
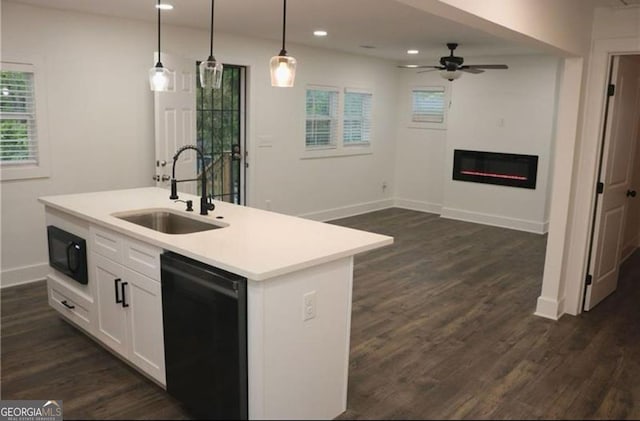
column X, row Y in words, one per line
column 442, row 327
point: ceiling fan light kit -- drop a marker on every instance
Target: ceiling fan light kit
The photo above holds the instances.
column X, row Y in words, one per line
column 158, row 74
column 450, row 75
column 451, row 67
column 210, row 69
column 283, row 66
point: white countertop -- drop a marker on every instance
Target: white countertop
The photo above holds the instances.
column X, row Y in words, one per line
column 256, row 244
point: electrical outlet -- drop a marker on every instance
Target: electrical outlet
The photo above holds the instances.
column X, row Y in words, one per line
column 309, row 306
column 267, row 204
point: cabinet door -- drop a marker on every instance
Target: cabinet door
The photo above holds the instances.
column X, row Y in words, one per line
column 112, row 320
column 144, row 297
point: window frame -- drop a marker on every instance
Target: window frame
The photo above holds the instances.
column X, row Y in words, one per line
column 430, row 125
column 361, row 143
column 41, row 169
column 339, row 149
column 336, row 119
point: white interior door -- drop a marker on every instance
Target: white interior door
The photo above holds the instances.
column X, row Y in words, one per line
column 175, row 124
column 616, row 176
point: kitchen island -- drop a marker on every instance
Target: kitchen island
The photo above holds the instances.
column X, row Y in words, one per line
column 299, row 277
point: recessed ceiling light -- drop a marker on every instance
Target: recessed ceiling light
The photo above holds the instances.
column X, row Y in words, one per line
column 320, row 33
column 412, row 51
column 164, row 6
column 412, row 65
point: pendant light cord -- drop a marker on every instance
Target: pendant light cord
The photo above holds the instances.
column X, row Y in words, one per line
column 284, row 26
column 211, row 44
column 159, row 61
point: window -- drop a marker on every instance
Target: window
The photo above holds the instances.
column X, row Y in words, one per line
column 357, row 117
column 322, row 117
column 428, row 107
column 22, row 153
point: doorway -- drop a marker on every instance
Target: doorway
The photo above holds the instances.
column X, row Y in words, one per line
column 213, row 120
column 615, row 230
column 221, row 122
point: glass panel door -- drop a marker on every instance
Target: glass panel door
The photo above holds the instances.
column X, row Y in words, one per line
column 220, row 125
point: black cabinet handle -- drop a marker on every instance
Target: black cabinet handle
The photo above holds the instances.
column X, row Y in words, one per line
column 67, row 305
column 115, row 284
column 631, row 193
column 124, row 297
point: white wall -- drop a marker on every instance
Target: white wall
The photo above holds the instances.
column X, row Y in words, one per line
column 509, row 111
column 615, row 31
column 420, row 153
column 101, row 121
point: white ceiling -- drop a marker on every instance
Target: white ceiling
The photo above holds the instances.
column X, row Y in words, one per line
column 390, row 26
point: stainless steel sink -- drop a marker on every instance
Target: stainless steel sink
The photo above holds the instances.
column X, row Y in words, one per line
column 167, row 222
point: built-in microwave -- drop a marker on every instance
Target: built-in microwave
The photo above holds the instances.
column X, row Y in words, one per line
column 68, row 254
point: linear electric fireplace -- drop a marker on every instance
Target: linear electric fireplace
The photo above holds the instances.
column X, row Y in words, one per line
column 505, row 169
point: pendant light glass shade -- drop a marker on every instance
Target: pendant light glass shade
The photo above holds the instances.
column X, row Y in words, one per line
column 450, row 75
column 283, row 71
column 283, row 67
column 159, row 78
column 210, row 69
column 158, row 74
column 211, row 74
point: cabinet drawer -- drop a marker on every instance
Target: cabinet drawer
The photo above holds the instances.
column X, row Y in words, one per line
column 141, row 257
column 107, row 243
column 70, row 304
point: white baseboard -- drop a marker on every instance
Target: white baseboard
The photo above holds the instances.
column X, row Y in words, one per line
column 549, row 308
column 24, row 275
column 417, row 205
column 346, row 211
column 494, row 220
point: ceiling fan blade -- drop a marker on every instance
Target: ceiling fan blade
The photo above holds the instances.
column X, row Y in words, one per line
column 487, row 66
column 429, row 70
column 471, row 70
column 417, row 66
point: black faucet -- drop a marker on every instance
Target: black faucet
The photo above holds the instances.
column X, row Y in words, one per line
column 205, row 202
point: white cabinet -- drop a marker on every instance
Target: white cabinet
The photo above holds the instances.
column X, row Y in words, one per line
column 112, row 321
column 129, row 297
column 146, row 340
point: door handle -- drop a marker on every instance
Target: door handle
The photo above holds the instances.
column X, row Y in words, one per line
column 115, row 283
column 235, row 153
column 124, row 297
column 631, row 193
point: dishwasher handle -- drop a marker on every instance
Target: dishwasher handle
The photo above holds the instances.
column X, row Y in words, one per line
column 232, row 291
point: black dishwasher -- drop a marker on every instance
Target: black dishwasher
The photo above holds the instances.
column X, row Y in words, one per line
column 205, row 337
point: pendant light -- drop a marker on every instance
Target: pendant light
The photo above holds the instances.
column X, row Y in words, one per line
column 211, row 70
column 283, row 67
column 158, row 75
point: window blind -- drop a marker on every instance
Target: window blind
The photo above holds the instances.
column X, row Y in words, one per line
column 357, row 117
column 18, row 134
column 428, row 105
column 322, row 117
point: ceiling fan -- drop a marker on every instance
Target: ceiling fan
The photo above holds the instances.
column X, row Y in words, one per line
column 451, row 67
